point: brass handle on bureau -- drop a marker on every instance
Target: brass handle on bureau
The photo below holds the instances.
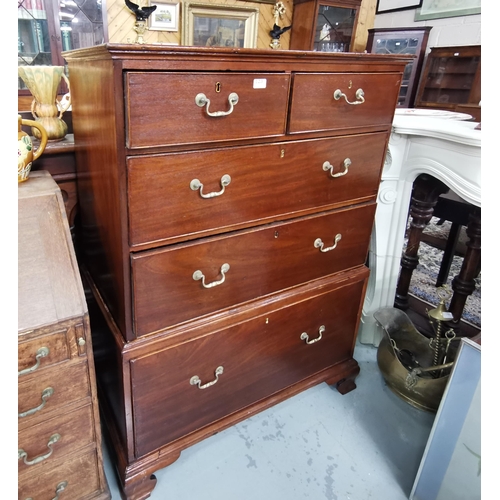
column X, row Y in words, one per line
column 195, row 380
column 360, row 96
column 328, row 166
column 59, row 489
column 195, row 184
column 21, row 454
column 318, row 243
column 202, row 100
column 305, row 336
column 43, row 352
column 198, row 275
column 46, row 393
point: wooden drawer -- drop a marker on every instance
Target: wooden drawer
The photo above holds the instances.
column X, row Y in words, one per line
column 259, row 357
column 268, row 182
column 41, row 352
column 314, row 107
column 261, row 261
column 75, row 478
column 55, row 438
column 161, row 108
column 49, row 391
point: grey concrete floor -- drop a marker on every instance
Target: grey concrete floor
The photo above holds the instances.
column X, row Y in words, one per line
column 365, row 445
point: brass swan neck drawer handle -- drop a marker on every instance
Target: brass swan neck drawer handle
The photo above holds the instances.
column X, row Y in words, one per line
column 198, row 275
column 43, row 352
column 328, row 166
column 59, row 489
column 195, row 380
column 46, row 393
column 318, row 243
column 21, row 454
column 202, row 100
column 360, row 96
column 305, row 336
column 195, row 184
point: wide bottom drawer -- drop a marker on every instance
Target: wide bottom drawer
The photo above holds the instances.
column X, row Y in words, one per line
column 185, row 387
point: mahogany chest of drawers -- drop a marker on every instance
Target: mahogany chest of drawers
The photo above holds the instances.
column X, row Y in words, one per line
column 227, row 199
column 59, row 429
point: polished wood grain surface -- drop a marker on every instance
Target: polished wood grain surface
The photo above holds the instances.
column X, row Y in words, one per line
column 261, row 261
column 289, row 182
column 259, row 357
column 154, row 119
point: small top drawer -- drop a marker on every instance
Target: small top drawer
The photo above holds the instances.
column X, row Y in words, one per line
column 38, row 353
column 332, row 101
column 180, row 108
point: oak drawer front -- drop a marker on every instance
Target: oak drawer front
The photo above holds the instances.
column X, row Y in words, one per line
column 258, row 358
column 314, row 107
column 44, row 443
column 168, row 287
column 162, row 110
column 185, row 195
column 50, row 391
column 72, row 479
column 41, row 352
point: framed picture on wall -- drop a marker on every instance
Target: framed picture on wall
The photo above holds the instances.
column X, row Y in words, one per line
column 165, row 17
column 437, row 9
column 384, row 6
column 215, row 25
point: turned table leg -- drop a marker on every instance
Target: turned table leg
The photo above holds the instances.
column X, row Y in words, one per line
column 463, row 285
column 426, row 191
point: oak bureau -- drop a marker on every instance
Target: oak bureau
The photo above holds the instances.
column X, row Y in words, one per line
column 59, row 432
column 227, row 198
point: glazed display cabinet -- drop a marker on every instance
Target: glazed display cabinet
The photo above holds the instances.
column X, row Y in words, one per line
column 324, row 25
column 402, row 41
column 452, row 76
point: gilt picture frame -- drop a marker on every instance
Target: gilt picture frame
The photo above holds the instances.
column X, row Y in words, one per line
column 215, row 25
column 165, row 17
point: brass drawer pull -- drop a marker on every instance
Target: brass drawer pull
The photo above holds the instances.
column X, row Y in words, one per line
column 198, row 275
column 318, row 243
column 195, row 380
column 22, row 454
column 360, row 96
column 46, row 393
column 328, row 166
column 202, row 100
column 305, row 337
column 43, row 352
column 195, row 184
column 59, row 489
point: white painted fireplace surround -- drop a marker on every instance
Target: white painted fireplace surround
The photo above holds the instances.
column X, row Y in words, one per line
column 422, row 142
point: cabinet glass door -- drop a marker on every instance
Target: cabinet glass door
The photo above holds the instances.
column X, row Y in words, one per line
column 334, row 29
column 403, row 45
column 450, row 79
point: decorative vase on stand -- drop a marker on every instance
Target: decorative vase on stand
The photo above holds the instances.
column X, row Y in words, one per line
column 43, row 81
column 25, row 154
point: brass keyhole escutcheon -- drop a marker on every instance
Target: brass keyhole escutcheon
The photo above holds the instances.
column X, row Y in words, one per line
column 217, row 87
column 282, row 153
column 350, row 84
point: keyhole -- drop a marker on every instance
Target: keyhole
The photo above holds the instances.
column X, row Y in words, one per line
column 276, row 234
column 350, row 84
column 217, row 87
column 282, row 155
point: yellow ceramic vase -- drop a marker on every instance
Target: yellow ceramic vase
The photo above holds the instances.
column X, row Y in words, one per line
column 25, row 154
column 43, row 81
